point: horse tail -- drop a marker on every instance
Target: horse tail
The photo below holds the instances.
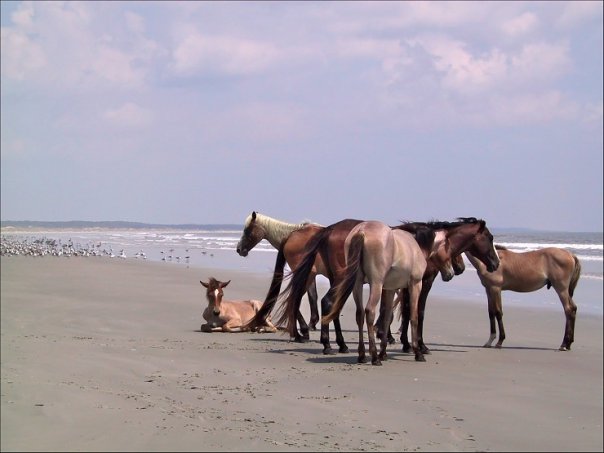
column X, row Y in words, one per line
column 343, row 289
column 298, row 284
column 575, row 277
column 265, row 310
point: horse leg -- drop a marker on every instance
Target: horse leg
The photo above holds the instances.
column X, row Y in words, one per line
column 406, row 313
column 375, row 293
column 360, row 317
column 414, row 291
column 303, row 336
column 326, row 308
column 495, row 313
column 313, row 297
column 326, row 304
column 423, row 297
column 570, row 312
column 386, row 316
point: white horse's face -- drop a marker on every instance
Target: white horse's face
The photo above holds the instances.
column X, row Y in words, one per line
column 441, row 256
column 251, row 236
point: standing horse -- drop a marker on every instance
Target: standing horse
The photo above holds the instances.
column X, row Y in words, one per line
column 257, row 227
column 297, row 244
column 229, row 315
column 388, row 259
column 465, row 234
column 527, row 272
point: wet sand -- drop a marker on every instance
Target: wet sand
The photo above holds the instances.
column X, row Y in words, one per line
column 106, row 355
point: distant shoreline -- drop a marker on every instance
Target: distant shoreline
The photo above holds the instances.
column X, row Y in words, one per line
column 118, row 224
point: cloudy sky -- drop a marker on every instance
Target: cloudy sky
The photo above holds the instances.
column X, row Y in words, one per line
column 168, row 112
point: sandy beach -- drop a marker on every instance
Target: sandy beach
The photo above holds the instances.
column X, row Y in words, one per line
column 106, row 355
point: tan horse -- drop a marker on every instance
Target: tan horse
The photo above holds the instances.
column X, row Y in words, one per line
column 229, row 315
column 388, row 259
column 527, row 272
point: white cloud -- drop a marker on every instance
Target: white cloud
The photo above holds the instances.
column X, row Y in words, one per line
column 129, row 115
column 20, row 55
column 520, row 25
column 201, row 54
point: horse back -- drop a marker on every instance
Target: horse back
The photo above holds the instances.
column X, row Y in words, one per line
column 242, row 309
column 295, row 247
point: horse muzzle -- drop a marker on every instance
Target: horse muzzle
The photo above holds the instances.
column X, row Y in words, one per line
column 242, row 252
column 217, row 313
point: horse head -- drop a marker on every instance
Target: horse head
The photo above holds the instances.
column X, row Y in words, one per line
column 252, row 234
column 214, row 293
column 478, row 240
column 441, row 256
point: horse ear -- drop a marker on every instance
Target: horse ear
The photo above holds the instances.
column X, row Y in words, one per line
column 204, row 284
column 253, row 215
column 482, row 225
column 222, row 285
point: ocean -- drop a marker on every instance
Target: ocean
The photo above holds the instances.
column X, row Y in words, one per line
column 214, row 246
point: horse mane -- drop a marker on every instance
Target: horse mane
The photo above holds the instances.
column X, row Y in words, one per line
column 444, row 225
column 423, row 232
column 277, row 229
column 500, row 247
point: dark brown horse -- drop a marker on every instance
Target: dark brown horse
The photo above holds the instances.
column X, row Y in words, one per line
column 467, row 234
column 527, row 272
column 258, row 227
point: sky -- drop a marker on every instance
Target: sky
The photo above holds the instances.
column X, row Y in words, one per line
column 202, row 112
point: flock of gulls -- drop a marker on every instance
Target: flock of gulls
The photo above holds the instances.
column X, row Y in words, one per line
column 51, row 247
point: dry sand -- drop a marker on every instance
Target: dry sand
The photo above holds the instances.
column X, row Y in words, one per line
column 106, row 355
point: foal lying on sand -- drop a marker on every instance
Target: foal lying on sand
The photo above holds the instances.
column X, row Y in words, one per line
column 229, row 315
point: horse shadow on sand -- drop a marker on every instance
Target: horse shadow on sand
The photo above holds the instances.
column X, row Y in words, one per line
column 312, row 350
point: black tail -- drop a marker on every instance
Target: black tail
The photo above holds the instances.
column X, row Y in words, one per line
column 575, row 277
column 353, row 265
column 291, row 297
column 260, row 318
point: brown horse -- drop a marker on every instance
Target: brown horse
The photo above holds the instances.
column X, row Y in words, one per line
column 297, row 244
column 229, row 315
column 527, row 272
column 258, row 227
column 388, row 259
column 465, row 234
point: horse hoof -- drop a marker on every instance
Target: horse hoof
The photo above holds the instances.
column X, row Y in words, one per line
column 328, row 351
column 376, row 362
column 362, row 360
column 420, row 358
column 486, row 345
column 564, row 348
column 406, row 348
column 391, row 341
column 343, row 349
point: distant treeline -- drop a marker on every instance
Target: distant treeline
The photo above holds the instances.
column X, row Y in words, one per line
column 115, row 224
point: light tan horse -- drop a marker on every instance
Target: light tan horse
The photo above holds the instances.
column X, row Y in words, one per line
column 527, row 272
column 229, row 315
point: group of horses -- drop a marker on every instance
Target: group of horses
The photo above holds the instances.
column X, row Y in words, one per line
column 400, row 264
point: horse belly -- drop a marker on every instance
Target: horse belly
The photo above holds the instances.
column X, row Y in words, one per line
column 397, row 278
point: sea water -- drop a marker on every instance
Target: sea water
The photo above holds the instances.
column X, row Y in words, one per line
column 215, row 247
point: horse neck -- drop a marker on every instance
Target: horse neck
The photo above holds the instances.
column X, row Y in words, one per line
column 276, row 231
column 460, row 238
column 480, row 268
